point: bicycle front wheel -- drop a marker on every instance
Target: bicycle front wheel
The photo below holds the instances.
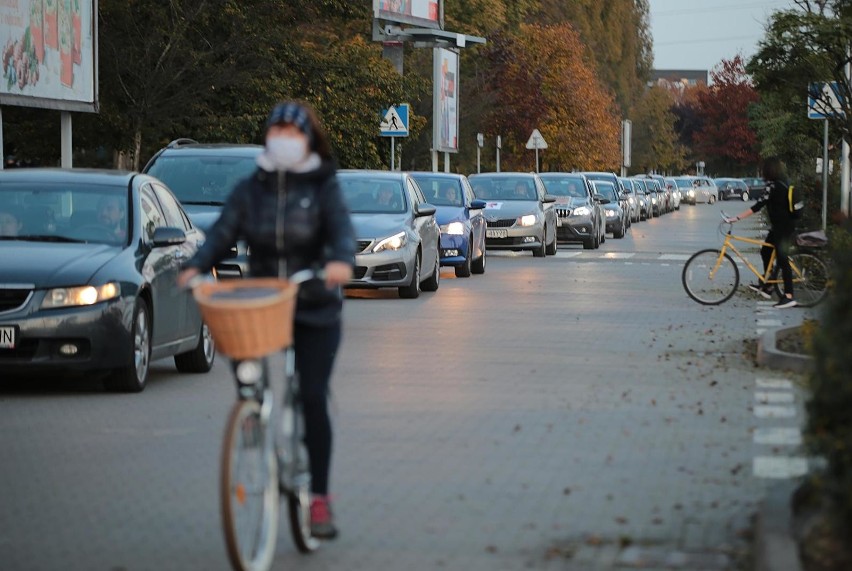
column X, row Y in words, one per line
column 710, row 277
column 810, row 279
column 248, row 489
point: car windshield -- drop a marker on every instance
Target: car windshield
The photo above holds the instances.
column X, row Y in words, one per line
column 196, row 179
column 440, row 190
column 565, row 186
column 606, row 189
column 683, row 183
column 503, row 187
column 64, row 213
column 372, row 194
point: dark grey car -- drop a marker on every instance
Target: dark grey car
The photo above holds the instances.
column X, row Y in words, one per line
column 579, row 218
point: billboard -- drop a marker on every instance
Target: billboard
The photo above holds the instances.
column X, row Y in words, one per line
column 445, row 116
column 49, row 56
column 425, row 13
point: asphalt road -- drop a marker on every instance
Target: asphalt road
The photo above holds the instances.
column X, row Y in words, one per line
column 573, row 412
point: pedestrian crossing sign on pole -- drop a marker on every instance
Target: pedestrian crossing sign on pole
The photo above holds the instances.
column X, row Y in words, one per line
column 394, row 121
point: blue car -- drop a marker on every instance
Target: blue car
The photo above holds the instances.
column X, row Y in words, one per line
column 460, row 216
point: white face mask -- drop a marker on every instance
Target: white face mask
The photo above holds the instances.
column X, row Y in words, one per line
column 286, row 152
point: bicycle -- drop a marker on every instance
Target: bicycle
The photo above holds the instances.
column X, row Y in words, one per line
column 711, row 276
column 250, row 320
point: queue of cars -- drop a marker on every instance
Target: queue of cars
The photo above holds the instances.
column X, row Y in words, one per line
column 91, row 257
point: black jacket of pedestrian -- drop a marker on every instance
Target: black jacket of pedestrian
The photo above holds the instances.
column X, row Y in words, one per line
column 782, row 205
column 291, row 221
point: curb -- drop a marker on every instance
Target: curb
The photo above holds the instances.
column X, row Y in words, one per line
column 775, row 549
column 770, row 356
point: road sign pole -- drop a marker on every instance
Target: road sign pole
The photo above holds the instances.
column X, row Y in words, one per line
column 844, row 155
column 393, row 153
column 536, row 160
column 825, row 175
column 498, row 159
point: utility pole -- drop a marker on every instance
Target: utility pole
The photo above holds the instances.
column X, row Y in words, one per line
column 844, row 152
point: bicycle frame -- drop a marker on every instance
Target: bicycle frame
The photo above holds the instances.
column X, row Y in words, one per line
column 762, row 277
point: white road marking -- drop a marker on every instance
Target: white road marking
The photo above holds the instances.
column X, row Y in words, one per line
column 774, row 397
column 774, row 411
column 678, row 257
column 778, row 436
column 568, row 254
column 618, row 255
column 769, row 322
column 779, row 468
column 763, row 383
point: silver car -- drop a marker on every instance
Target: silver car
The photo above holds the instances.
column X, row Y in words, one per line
column 398, row 236
column 519, row 214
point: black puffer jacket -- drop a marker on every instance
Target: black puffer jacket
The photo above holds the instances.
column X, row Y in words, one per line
column 290, row 221
column 783, row 204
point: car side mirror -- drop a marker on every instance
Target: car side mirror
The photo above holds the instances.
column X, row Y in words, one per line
column 600, row 199
column 477, row 204
column 548, row 199
column 168, row 236
column 424, row 210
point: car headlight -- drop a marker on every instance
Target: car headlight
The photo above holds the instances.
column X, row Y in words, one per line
column 653, row 201
column 453, row 229
column 76, row 296
column 631, row 200
column 581, row 211
column 691, row 193
column 394, row 242
column 527, row 220
column 611, row 213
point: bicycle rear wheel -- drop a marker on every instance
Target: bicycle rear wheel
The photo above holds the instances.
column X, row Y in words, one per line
column 710, row 278
column 810, row 279
column 248, row 489
column 296, row 472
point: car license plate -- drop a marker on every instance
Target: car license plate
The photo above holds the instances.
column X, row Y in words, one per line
column 8, row 336
column 497, row 233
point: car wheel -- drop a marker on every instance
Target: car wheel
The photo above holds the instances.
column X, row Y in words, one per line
column 551, row 248
column 619, row 233
column 711, row 200
column 434, row 281
column 200, row 359
column 541, row 251
column 412, row 290
column 132, row 377
column 478, row 265
column 602, row 235
column 463, row 271
column 745, row 197
column 589, row 243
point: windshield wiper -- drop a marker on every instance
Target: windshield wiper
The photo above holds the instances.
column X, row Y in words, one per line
column 43, row 238
column 203, row 202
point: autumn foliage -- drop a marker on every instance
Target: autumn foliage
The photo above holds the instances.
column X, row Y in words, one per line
column 545, row 80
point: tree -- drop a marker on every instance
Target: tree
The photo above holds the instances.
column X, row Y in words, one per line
column 543, row 78
column 655, row 143
column 725, row 140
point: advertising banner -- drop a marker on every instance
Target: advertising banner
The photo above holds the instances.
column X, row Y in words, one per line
column 445, row 117
column 426, row 13
column 49, row 54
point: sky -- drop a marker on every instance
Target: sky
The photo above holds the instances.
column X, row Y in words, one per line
column 698, row 34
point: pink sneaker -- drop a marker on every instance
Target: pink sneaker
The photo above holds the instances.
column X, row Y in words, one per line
column 322, row 520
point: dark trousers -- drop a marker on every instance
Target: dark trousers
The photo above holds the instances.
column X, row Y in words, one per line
column 316, row 349
column 782, row 242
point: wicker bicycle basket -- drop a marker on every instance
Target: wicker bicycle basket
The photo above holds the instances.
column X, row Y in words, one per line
column 248, row 318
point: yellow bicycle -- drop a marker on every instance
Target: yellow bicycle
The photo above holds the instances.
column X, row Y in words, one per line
column 711, row 276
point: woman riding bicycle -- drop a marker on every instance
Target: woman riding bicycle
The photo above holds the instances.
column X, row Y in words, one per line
column 783, row 206
column 293, row 216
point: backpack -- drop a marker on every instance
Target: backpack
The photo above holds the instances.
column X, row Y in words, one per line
column 795, row 203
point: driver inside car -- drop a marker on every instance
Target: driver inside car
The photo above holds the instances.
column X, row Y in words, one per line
column 111, row 216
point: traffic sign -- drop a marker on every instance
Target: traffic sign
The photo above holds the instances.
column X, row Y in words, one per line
column 536, row 141
column 825, row 101
column 394, row 121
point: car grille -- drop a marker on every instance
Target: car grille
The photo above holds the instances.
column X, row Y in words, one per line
column 563, row 212
column 362, row 245
column 360, row 272
column 13, row 297
column 505, row 223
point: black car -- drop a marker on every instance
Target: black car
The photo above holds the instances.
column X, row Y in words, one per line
column 88, row 277
column 622, row 198
column 579, row 218
column 202, row 176
column 616, row 218
column 732, row 188
column 756, row 186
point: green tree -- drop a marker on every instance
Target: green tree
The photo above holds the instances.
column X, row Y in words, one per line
column 655, row 146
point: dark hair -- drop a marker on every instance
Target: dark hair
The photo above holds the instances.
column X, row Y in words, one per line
column 773, row 169
column 305, row 118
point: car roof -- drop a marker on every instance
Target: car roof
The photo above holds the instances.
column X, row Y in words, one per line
column 447, row 175
column 90, row 176
column 241, row 150
column 557, row 173
column 390, row 175
column 505, row 174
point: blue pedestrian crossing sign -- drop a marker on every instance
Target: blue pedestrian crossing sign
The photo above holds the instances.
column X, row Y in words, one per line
column 394, row 121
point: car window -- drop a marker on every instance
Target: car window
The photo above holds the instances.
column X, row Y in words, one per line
column 152, row 215
column 565, row 186
column 174, row 215
column 372, row 194
column 440, row 191
column 198, row 179
column 606, row 189
column 504, row 187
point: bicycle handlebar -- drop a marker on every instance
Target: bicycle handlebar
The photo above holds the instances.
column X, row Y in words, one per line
column 299, row 277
